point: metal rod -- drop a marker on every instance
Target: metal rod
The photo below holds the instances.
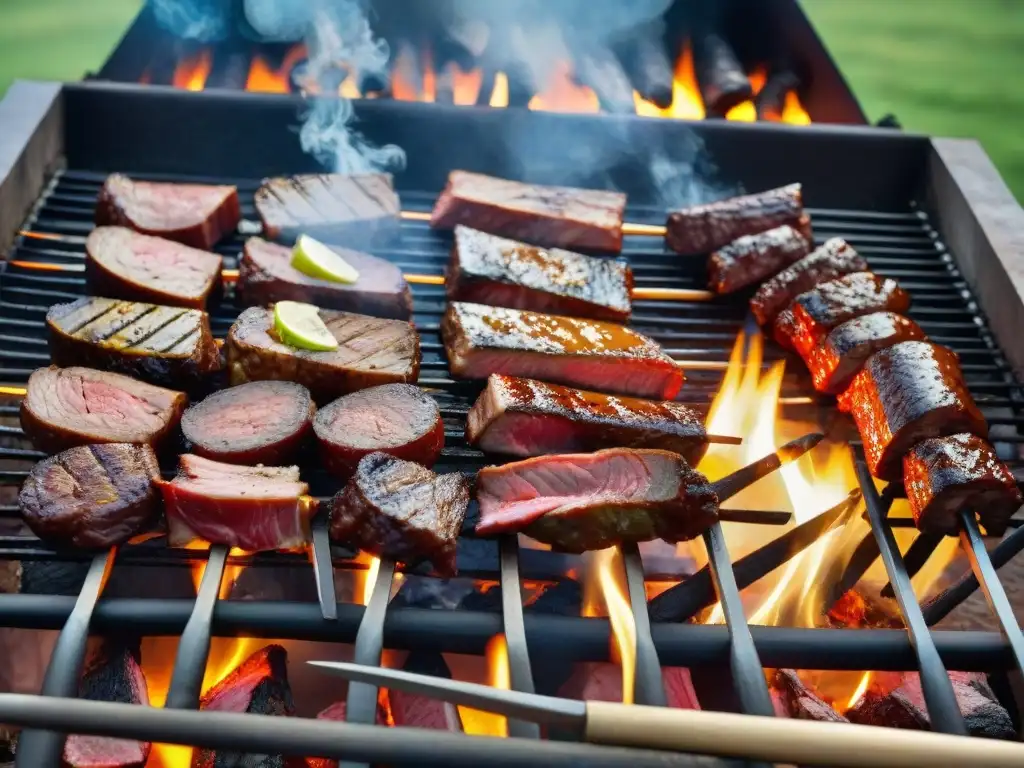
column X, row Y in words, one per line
column 732, row 484
column 520, row 671
column 323, row 568
column 918, row 553
column 649, row 685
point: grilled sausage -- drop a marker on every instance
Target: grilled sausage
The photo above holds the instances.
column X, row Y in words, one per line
column 752, row 258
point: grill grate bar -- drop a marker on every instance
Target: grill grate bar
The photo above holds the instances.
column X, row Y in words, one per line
column 649, row 686
column 361, row 704
column 520, row 671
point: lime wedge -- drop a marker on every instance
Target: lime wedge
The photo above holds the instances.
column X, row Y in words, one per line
column 299, row 325
column 313, row 258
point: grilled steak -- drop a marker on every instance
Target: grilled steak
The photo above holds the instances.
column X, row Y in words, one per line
column 524, row 417
column 827, row 262
column 705, row 228
column 838, row 358
column 905, row 394
column 399, row 419
column 92, row 496
column 565, row 217
column 262, row 422
column 65, row 407
column 266, row 275
column 482, row 340
column 169, row 346
column 114, row 676
column 194, row 214
column 752, row 258
column 370, row 351
column 254, row 508
column 811, row 316
column 127, row 265
column 944, row 475
column 586, row 501
column 398, row 509
column 505, row 273
column 341, row 208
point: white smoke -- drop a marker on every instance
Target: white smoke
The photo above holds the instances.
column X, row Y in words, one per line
column 198, row 20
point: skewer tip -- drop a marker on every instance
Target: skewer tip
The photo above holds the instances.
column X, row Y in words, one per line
column 794, row 449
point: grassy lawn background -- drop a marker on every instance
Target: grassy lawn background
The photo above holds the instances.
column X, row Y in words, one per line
column 944, row 67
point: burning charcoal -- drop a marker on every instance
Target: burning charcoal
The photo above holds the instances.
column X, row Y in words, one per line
column 647, row 63
column 602, row 681
column 770, row 101
column 857, row 609
column 336, row 713
column 793, row 698
column 415, row 711
column 723, row 83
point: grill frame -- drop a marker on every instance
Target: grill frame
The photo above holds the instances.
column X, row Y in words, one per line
column 101, row 128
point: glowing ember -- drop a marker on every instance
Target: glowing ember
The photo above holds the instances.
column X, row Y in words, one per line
column 192, row 71
column 478, row 722
column 604, row 594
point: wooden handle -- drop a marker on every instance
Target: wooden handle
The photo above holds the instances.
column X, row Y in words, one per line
column 800, row 742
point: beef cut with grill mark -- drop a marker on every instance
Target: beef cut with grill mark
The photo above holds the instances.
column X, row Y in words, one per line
column 833, row 259
column 482, row 340
column 399, row 419
column 123, row 264
column 707, row 227
column 371, row 351
column 169, row 346
column 198, row 215
column 586, row 501
column 266, row 275
column 92, row 496
column 907, row 393
column 254, row 508
column 487, row 269
column 67, row 407
column 752, row 258
column 944, row 475
column 525, row 417
column 262, row 422
column 565, row 217
column 342, row 208
column 401, row 510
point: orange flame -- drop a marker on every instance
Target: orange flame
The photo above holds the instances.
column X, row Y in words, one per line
column 604, row 594
column 266, row 79
column 859, row 692
column 478, row 722
column 686, row 101
column 563, row 94
column 192, row 71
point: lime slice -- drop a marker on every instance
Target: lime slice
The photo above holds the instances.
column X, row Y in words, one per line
column 299, row 325
column 313, row 258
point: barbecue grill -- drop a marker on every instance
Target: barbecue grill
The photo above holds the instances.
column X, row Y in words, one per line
column 930, row 212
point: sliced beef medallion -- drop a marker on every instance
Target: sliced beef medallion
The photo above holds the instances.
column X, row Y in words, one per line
column 169, row 346
column 945, row 475
column 482, row 340
column 399, row 419
column 92, row 496
column 398, row 509
column 811, row 316
column 266, row 275
column 253, row 508
column 525, row 417
column 199, row 215
column 506, row 273
column 833, row 259
column 66, row 407
column 262, row 422
column 371, row 351
column 123, row 264
column 905, row 394
column 586, row 501
column 752, row 258
column 839, row 357
column 565, row 217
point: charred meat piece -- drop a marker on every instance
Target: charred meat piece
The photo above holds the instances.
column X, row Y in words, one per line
column 905, row 394
column 705, row 228
column 114, row 676
column 262, row 422
column 414, row 710
column 127, row 265
column 338, row 207
column 398, row 509
column 585, row 501
column 944, row 475
column 836, row 360
column 371, row 351
column 253, row 508
column 198, row 215
column 65, row 407
column 813, row 314
column 92, row 496
column 565, row 217
column 398, row 419
column 266, row 275
column 525, row 417
column 752, row 258
column 793, row 698
column 169, row 346
column 505, row 273
column 482, row 340
column 827, row 262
